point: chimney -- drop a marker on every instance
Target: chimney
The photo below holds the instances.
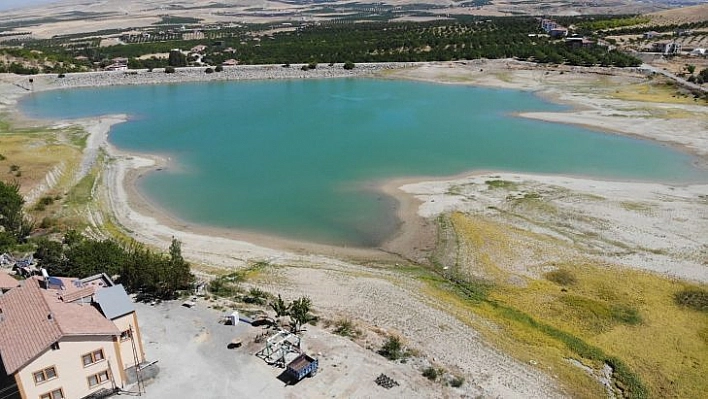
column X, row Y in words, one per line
column 45, row 275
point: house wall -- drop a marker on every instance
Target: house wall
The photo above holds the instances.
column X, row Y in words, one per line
column 124, row 323
column 71, row 373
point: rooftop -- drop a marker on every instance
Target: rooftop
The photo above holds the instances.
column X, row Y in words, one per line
column 7, row 281
column 32, row 318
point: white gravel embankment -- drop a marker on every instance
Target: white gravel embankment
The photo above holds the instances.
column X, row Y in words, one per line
column 199, row 74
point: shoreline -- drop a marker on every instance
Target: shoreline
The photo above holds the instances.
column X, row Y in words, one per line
column 150, row 224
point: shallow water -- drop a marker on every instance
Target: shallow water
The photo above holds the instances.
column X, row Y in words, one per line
column 301, row 159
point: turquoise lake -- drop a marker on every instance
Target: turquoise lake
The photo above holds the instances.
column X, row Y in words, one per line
column 301, row 159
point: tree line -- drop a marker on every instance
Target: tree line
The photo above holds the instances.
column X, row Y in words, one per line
column 458, row 38
column 137, row 267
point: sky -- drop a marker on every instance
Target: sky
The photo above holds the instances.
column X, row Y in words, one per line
column 10, row 4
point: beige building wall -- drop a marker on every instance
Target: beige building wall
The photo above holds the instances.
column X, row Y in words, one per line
column 72, row 375
column 124, row 323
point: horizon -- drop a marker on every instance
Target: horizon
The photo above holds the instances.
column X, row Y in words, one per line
column 19, row 4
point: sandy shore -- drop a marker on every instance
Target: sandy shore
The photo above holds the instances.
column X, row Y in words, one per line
column 655, row 227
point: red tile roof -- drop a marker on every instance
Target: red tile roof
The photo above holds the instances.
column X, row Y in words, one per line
column 77, row 294
column 7, row 281
column 34, row 318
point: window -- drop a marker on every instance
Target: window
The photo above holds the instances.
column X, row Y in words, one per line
column 93, row 357
column 97, row 379
column 55, row 394
column 45, row 375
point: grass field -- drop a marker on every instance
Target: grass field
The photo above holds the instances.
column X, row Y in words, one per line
column 42, row 156
column 655, row 91
column 578, row 309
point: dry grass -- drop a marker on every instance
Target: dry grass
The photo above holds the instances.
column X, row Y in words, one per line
column 682, row 15
column 655, row 91
column 637, row 321
column 35, row 153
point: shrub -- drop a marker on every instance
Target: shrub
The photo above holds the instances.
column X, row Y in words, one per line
column 286, row 65
column 2, row 157
column 432, row 373
column 349, row 65
column 46, row 200
column 305, row 68
column 208, row 70
column 693, row 298
column 256, row 296
column 47, row 222
column 561, row 277
column 218, row 68
column 170, row 69
column 457, row 381
column 393, row 349
column 312, row 65
column 625, row 314
column 346, row 328
column 505, row 184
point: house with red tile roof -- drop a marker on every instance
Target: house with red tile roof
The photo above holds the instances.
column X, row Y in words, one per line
column 65, row 338
column 7, row 282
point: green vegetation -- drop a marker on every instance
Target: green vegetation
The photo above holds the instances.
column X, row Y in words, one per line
column 457, row 381
column 393, row 349
column 299, row 312
column 502, row 184
column 432, row 373
column 577, row 311
column 561, row 277
column 346, row 328
column 15, row 227
column 226, row 286
column 612, row 22
column 139, row 268
column 347, row 39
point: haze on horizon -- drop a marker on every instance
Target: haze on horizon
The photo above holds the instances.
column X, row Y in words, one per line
column 15, row 4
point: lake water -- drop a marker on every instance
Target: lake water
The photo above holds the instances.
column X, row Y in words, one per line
column 301, row 159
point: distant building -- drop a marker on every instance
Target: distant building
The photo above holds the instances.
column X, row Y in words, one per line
column 558, row 32
column 698, row 52
column 553, row 29
column 65, row 338
column 667, row 47
column 579, row 42
column 199, row 48
column 650, row 35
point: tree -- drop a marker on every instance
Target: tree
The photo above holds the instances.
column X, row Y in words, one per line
column 90, row 257
column 300, row 312
column 178, row 275
column 279, row 307
column 12, row 218
column 50, row 253
column 177, row 59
